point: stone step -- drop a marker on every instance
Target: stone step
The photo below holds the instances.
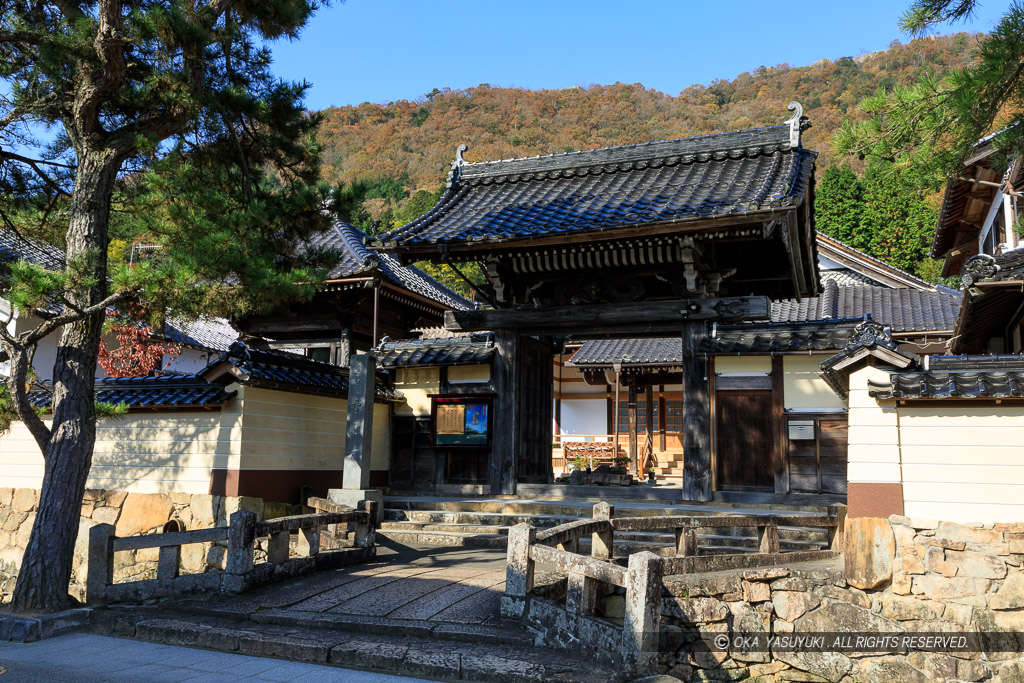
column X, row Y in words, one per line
column 583, row 507
column 468, row 522
column 491, row 654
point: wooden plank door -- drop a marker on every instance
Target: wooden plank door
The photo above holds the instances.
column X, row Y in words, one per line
column 817, row 453
column 743, row 457
column 534, row 368
column 413, row 461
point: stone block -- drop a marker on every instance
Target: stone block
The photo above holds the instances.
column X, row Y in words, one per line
column 201, row 508
column 236, row 503
column 889, row 669
column 105, row 515
column 765, row 574
column 694, row 610
column 842, row 617
column 611, row 607
column 756, row 591
column 274, row 645
column 870, row 551
column 909, row 562
column 789, row 605
column 370, row 654
column 906, row 608
column 942, row 543
column 431, row 663
column 1010, row 594
column 1015, row 544
column 961, row 533
column 923, row 523
column 792, row 583
column 978, row 565
column 936, row 665
column 973, row 670
column 940, row 587
column 903, row 534
column 143, row 512
column 24, row 500
column 854, row 596
column 958, row 614
column 6, row 494
column 935, row 561
column 832, row 666
column 1010, row 673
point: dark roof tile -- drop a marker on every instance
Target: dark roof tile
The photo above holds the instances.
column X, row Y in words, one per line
column 598, row 190
column 449, row 351
column 174, row 391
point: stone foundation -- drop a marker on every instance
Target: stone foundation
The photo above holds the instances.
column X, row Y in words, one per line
column 132, row 514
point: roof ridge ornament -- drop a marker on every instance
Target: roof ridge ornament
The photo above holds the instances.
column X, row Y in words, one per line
column 797, row 122
column 456, row 170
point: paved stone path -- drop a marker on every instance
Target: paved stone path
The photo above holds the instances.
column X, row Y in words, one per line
column 437, row 585
column 88, row 658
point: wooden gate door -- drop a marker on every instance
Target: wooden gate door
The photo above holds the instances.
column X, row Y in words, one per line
column 413, row 461
column 536, row 382
column 744, row 430
column 817, row 454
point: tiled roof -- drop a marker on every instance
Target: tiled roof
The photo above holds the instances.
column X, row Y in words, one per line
column 284, row 371
column 867, row 266
column 209, row 333
column 449, row 351
column 14, row 247
column 904, row 310
column 825, row 335
column 869, row 339
column 989, row 301
column 670, row 181
column 956, row 377
column 357, row 260
column 654, row 351
column 174, row 391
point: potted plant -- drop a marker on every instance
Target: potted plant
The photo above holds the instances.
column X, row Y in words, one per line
column 650, row 476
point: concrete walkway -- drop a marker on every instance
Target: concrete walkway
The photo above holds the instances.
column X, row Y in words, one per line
column 88, row 658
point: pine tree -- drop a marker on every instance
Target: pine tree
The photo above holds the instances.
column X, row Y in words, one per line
column 925, row 131
column 169, row 109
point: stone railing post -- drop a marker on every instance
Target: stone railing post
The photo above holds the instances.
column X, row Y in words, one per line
column 768, row 539
column 686, row 542
column 308, row 542
column 101, row 563
column 366, row 531
column 643, row 611
column 581, row 594
column 602, row 542
column 241, row 538
column 836, row 534
column 519, row 572
column 168, row 562
column 277, row 547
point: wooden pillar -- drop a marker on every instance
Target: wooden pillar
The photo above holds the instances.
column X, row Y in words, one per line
column 696, row 415
column 662, row 418
column 780, row 445
column 631, row 412
column 502, row 466
column 649, row 441
column 344, row 347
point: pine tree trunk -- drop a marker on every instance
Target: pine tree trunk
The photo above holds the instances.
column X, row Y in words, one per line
column 46, row 567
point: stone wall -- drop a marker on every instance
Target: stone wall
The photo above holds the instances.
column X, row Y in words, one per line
column 901, row 575
column 132, row 514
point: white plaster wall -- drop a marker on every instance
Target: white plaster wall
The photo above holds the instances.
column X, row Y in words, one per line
column 803, row 387
column 873, row 453
column 584, row 417
column 963, row 463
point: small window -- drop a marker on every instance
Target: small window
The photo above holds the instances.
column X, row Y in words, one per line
column 641, row 417
column 322, row 354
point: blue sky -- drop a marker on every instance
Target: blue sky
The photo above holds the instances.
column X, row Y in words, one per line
column 385, row 50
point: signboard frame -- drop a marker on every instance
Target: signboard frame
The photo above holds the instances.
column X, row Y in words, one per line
column 441, row 402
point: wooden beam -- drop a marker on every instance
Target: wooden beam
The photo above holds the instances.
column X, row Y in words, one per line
column 696, row 415
column 609, row 315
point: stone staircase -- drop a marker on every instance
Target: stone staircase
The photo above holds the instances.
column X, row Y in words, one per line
column 669, row 467
column 484, row 523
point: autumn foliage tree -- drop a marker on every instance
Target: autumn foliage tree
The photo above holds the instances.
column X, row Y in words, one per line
column 137, row 353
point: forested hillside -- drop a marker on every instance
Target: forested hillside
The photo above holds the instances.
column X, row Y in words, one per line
column 385, row 153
